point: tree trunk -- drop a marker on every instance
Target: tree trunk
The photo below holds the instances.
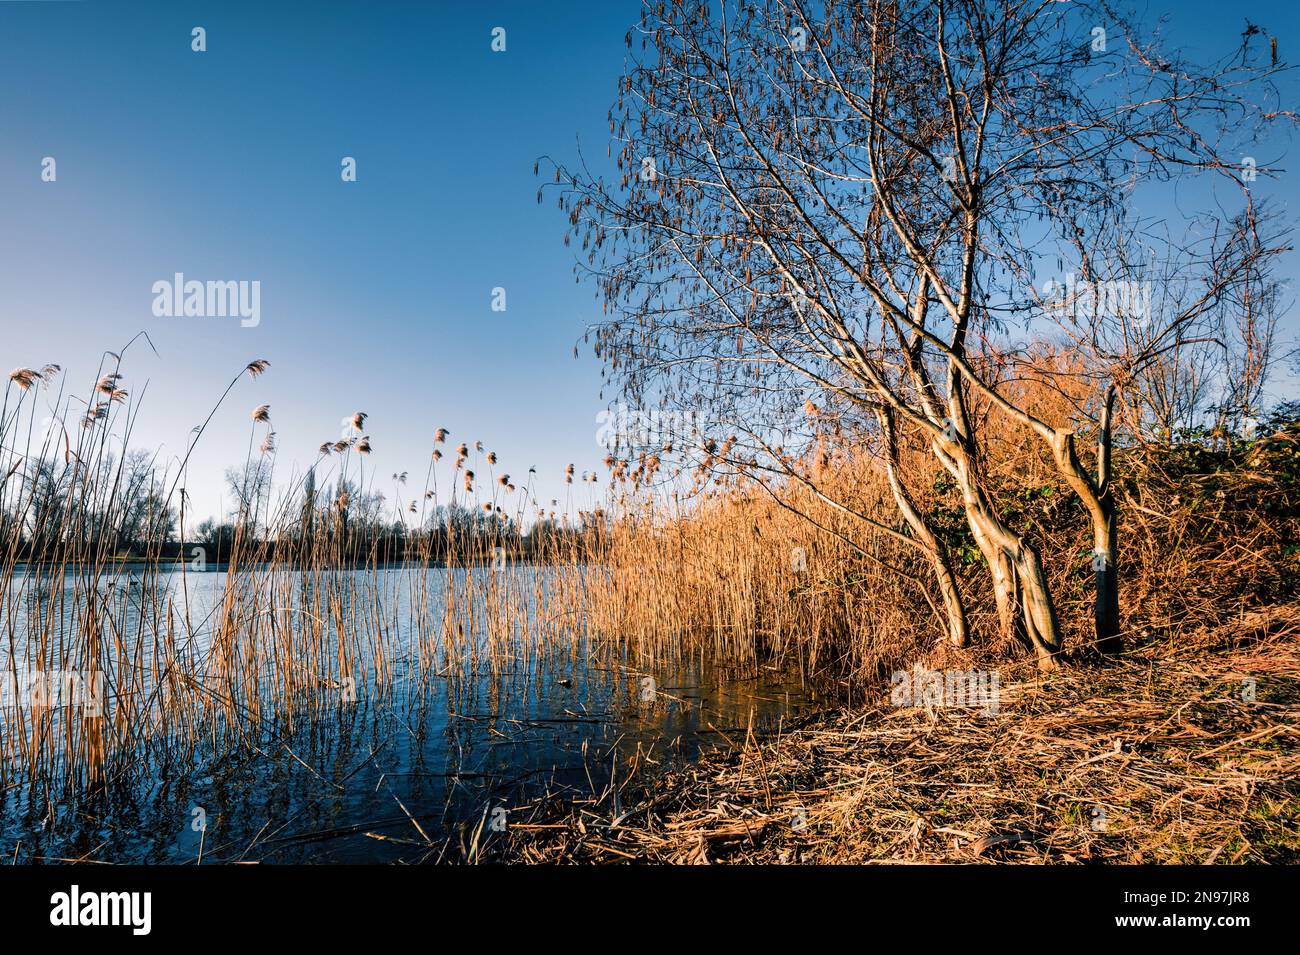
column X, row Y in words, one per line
column 1004, row 577
column 1019, row 581
column 1099, row 501
column 958, row 633
column 1040, row 612
column 1105, row 537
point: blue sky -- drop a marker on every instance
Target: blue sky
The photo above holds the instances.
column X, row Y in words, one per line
column 375, row 294
column 226, row 165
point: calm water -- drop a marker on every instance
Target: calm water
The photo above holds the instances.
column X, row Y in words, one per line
column 464, row 745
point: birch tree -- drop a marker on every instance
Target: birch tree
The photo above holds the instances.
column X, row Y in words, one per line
column 854, row 202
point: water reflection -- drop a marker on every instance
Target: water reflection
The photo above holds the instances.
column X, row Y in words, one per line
column 405, row 768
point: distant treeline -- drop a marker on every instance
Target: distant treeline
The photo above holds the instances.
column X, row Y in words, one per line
column 224, row 542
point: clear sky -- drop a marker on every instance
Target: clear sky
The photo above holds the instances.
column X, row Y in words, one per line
column 375, row 295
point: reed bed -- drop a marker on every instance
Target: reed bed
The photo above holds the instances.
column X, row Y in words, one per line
column 324, row 593
column 1211, row 529
column 343, row 582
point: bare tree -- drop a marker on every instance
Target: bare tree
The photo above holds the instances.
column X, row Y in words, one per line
column 249, row 486
column 852, row 201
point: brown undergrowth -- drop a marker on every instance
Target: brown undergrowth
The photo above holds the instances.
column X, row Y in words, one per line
column 1159, row 757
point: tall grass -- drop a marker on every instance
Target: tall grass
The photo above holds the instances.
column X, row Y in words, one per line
column 315, row 604
column 331, row 591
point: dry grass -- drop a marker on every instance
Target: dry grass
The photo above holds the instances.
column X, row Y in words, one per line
column 1152, row 759
column 789, row 580
column 316, row 607
column 652, row 572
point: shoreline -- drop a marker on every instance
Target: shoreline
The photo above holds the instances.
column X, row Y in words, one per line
column 1153, row 758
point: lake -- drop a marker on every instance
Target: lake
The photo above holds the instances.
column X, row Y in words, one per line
column 430, row 745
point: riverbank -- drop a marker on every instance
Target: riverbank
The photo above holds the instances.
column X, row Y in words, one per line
column 1184, row 751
